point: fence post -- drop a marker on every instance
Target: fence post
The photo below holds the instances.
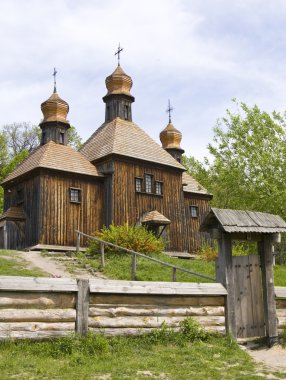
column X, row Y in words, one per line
column 174, row 274
column 78, row 242
column 82, row 306
column 133, row 266
column 102, row 254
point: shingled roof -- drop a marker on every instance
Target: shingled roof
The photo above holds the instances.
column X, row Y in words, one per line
column 155, row 217
column 54, row 156
column 125, row 138
column 190, row 185
column 14, row 212
column 243, row 221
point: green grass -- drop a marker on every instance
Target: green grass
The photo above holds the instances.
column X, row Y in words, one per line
column 151, row 357
column 280, row 275
column 11, row 264
column 118, row 266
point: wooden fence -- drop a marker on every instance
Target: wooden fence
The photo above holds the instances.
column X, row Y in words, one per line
column 39, row 308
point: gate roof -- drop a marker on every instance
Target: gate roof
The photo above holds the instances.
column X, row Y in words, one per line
column 242, row 221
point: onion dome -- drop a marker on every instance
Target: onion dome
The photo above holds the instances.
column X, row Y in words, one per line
column 171, row 138
column 118, row 82
column 55, row 109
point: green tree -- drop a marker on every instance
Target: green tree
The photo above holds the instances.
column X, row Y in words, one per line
column 248, row 166
column 74, row 138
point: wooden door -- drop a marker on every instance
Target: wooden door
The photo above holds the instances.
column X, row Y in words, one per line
column 248, row 296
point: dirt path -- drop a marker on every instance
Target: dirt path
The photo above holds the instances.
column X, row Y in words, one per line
column 57, row 266
column 271, row 360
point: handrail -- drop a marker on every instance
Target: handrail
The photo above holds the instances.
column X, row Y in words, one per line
column 134, row 253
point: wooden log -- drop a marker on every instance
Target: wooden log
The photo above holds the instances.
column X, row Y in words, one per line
column 133, row 269
column 281, row 312
column 281, row 321
column 102, row 261
column 281, row 303
column 162, row 288
column 119, row 311
column 155, row 300
column 37, row 300
column 280, row 291
column 38, row 284
column 36, row 326
column 32, row 335
column 50, row 315
column 141, row 322
column 82, row 306
column 129, row 331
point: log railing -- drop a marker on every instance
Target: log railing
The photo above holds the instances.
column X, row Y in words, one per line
column 134, row 255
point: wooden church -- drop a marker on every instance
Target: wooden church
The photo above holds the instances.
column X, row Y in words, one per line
column 120, row 175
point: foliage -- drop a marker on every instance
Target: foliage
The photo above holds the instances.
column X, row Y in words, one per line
column 99, row 357
column 136, row 238
column 74, row 138
column 208, row 253
column 21, row 136
column 248, row 167
column 191, row 330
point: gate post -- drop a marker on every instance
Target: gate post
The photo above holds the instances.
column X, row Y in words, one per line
column 267, row 274
column 224, row 275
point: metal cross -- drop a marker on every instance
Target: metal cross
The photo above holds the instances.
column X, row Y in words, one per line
column 169, row 110
column 119, row 50
column 55, row 79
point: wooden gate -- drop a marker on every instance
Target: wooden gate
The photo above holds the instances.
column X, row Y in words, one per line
column 248, row 296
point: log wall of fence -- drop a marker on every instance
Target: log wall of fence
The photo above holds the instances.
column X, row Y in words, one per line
column 280, row 292
column 38, row 308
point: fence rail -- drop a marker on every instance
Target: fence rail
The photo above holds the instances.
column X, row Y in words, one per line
column 134, row 255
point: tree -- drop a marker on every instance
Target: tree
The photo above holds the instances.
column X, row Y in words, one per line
column 74, row 138
column 21, row 136
column 248, row 170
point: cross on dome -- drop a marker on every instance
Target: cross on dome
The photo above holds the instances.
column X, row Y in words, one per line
column 55, row 79
column 169, row 110
column 119, row 50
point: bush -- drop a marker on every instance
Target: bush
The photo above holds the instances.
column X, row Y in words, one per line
column 191, row 330
column 136, row 238
column 208, row 253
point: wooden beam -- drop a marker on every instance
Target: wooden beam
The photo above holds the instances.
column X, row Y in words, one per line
column 267, row 274
column 224, row 272
column 82, row 306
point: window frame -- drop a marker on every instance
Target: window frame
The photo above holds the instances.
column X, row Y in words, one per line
column 148, row 185
column 196, row 209
column 72, row 192
column 137, row 181
column 159, row 185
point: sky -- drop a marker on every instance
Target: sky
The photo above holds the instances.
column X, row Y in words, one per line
column 199, row 54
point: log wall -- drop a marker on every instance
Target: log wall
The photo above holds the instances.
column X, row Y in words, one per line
column 38, row 308
column 280, row 292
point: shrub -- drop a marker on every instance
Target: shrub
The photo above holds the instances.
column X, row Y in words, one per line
column 136, row 238
column 208, row 253
column 191, row 330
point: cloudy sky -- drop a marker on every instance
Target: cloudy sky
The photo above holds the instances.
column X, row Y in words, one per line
column 199, row 54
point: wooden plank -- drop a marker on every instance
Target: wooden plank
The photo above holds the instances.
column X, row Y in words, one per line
column 38, row 284
column 141, row 287
column 266, row 259
column 281, row 312
column 241, row 272
column 126, row 310
column 33, row 335
column 281, row 303
column 258, row 327
column 36, row 326
column 226, row 272
column 82, row 306
column 282, row 322
column 280, row 291
column 142, row 322
column 25, row 300
column 33, row 315
column 155, row 300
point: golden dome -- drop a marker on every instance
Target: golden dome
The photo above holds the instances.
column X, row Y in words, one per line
column 55, row 109
column 170, row 137
column 118, row 82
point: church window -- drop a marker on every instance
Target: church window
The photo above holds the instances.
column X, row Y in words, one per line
column 62, row 136
column 148, row 183
column 20, row 196
column 138, row 184
column 194, row 211
column 75, row 195
column 126, row 112
column 159, row 188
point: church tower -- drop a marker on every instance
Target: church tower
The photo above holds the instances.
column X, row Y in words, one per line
column 171, row 138
column 55, row 124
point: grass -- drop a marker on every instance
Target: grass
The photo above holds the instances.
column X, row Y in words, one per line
column 11, row 264
column 156, row 356
column 118, row 266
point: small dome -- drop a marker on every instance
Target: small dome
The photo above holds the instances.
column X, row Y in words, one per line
column 55, row 109
column 171, row 138
column 118, row 82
